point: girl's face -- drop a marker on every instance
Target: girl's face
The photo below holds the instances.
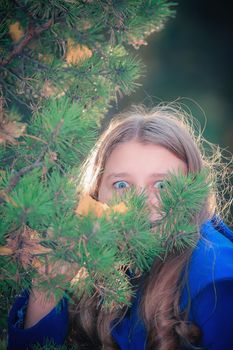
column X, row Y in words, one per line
column 140, row 166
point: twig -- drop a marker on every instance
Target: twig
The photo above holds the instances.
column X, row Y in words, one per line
column 24, row 80
column 2, row 102
column 15, row 179
column 34, row 138
column 32, row 32
column 12, row 94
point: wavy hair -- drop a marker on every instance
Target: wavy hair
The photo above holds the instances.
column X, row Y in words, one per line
column 171, row 128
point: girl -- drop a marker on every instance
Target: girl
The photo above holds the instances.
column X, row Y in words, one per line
column 184, row 302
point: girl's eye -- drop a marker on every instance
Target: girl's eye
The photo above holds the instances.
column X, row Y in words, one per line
column 120, row 185
column 159, row 185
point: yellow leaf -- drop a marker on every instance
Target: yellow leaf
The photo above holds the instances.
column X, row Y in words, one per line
column 39, row 249
column 5, row 251
column 120, row 208
column 48, row 89
column 87, row 204
column 37, row 264
column 77, row 53
column 16, row 32
column 81, row 275
column 10, row 130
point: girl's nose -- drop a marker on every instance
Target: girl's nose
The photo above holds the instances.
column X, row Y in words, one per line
column 152, row 202
column 152, row 198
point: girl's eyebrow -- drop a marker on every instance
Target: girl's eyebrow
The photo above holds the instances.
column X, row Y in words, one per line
column 158, row 175
column 120, row 175
column 117, row 175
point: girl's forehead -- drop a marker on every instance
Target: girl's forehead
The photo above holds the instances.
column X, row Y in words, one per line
column 134, row 156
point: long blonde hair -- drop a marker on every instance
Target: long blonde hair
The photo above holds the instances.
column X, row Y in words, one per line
column 167, row 329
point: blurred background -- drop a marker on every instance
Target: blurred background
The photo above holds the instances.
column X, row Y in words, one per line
column 191, row 59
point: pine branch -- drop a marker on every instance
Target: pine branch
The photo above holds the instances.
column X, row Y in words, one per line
column 23, row 8
column 15, row 179
column 15, row 97
column 43, row 184
column 104, row 247
column 32, row 32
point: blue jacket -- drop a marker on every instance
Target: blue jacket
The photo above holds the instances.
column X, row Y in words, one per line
column 210, row 289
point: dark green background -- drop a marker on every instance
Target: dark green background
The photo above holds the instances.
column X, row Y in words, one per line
column 191, row 58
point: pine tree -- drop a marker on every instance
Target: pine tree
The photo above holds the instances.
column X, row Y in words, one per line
column 62, row 65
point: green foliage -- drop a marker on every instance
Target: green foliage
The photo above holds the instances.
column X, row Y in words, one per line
column 32, row 202
column 124, row 70
column 43, row 38
column 105, row 248
column 182, row 198
column 136, row 242
column 62, row 64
